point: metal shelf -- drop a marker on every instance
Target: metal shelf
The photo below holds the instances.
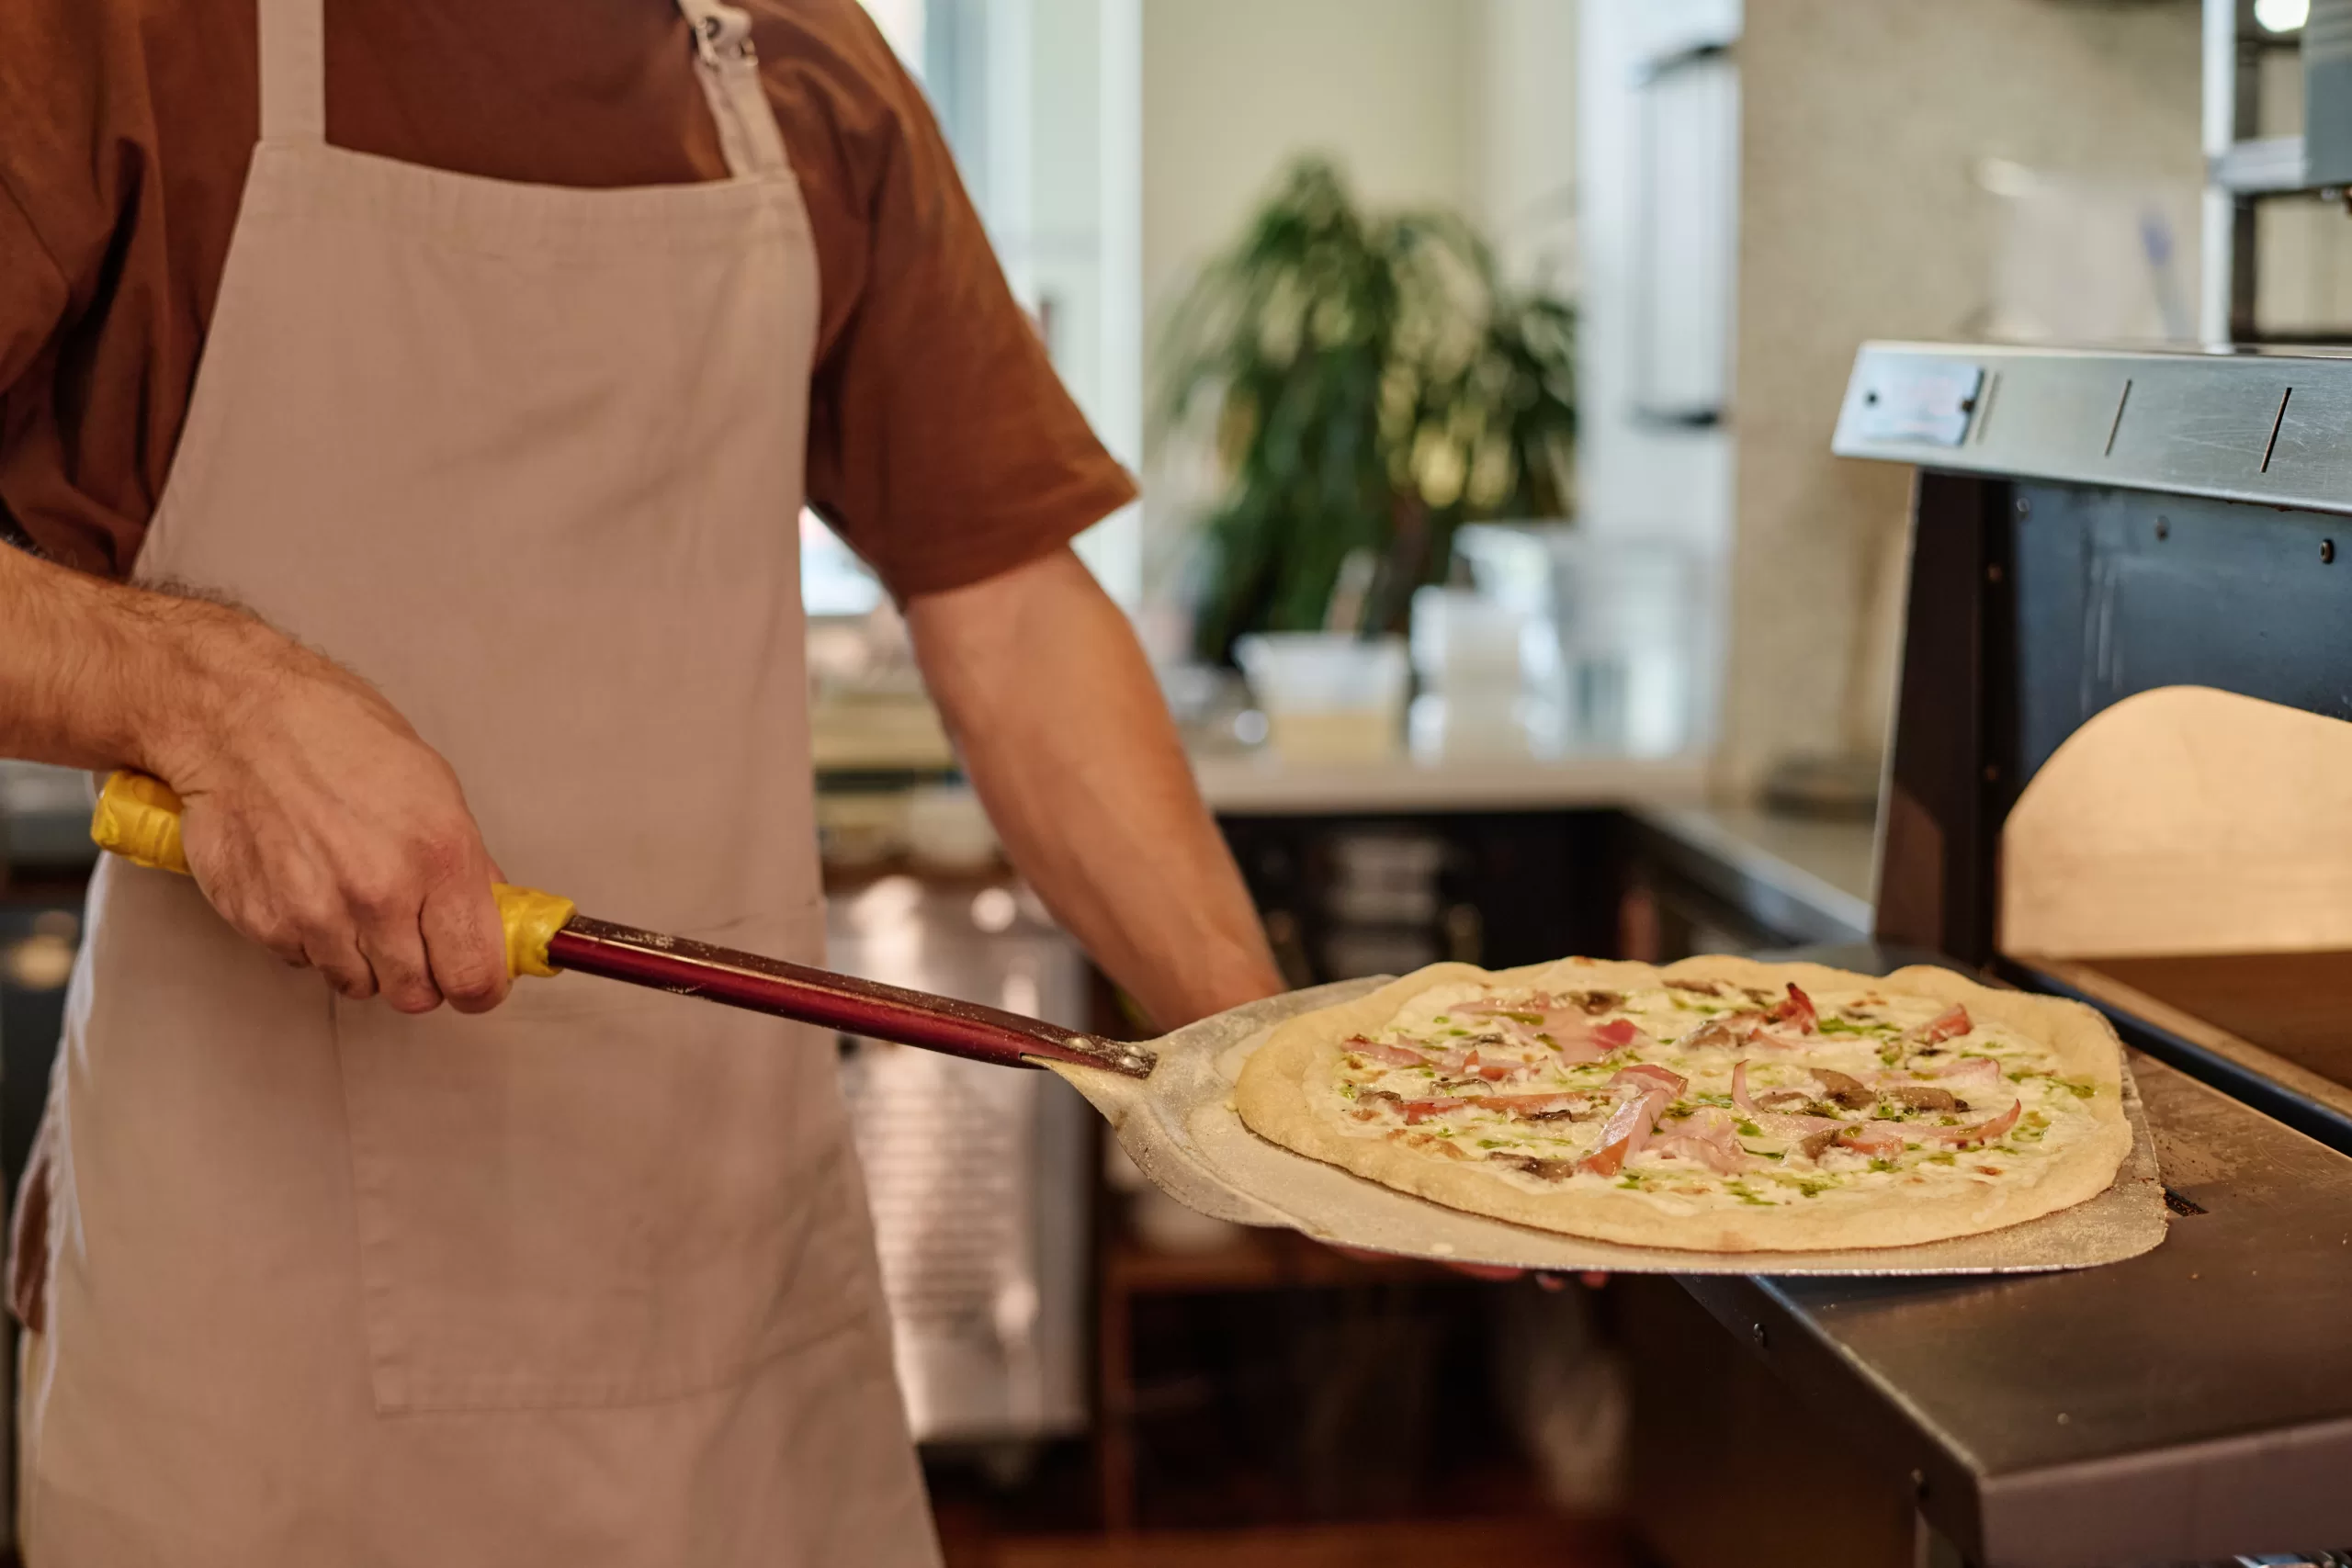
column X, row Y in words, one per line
column 2243, row 168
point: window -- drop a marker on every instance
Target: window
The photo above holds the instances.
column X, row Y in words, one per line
column 1041, row 101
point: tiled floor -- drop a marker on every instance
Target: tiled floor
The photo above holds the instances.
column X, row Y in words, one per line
column 1527, row 1542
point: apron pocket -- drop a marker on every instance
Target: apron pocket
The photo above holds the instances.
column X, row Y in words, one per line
column 594, row 1195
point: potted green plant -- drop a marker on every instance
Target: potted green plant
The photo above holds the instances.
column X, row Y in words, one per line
column 1375, row 383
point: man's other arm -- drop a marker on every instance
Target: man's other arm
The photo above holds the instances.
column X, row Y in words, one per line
column 1069, row 744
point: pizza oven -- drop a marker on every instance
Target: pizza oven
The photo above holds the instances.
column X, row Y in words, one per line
column 2121, row 771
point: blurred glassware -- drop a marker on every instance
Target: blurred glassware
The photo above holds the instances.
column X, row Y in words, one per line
column 1607, row 634
column 1510, row 563
column 1211, row 707
column 1469, row 652
column 1328, row 698
column 1462, row 639
column 1625, row 609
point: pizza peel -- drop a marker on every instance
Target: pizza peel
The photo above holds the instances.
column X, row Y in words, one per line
column 1169, row 1099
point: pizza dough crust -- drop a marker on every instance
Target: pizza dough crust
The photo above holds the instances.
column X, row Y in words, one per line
column 1271, row 1097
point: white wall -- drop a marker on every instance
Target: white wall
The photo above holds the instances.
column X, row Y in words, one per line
column 1524, row 177
column 1864, row 122
column 1057, row 183
column 1634, row 478
column 1233, row 89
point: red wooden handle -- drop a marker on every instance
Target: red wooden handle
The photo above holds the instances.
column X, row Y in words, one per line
column 837, row 1002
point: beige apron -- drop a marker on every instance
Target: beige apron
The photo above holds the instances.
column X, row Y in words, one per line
column 588, row 1280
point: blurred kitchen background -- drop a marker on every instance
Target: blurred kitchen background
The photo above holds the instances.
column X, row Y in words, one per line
column 1480, row 359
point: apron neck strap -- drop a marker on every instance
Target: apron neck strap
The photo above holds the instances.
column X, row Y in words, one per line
column 730, row 73
column 293, row 71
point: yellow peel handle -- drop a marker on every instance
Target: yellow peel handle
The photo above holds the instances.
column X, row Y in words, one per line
column 532, row 918
column 139, row 818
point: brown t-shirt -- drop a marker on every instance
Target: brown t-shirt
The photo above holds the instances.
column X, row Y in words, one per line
column 940, row 442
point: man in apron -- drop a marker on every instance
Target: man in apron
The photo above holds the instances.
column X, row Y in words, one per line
column 494, row 474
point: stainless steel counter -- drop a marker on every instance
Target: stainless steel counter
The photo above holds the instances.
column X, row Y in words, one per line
column 1807, row 881
column 1263, row 784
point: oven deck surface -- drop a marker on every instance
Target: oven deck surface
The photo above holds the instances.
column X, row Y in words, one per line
column 2296, row 1005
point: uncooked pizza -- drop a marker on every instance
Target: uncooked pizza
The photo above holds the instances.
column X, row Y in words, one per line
column 1717, row 1104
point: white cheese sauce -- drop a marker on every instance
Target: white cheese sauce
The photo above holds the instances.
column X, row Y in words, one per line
column 1867, row 1035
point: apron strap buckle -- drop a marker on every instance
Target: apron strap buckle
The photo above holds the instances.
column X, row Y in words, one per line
column 722, row 33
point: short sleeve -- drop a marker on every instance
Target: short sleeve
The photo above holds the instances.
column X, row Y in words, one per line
column 96, row 349
column 34, row 300
column 941, row 444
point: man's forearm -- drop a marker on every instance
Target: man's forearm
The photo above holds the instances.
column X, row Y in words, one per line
column 1069, row 741
column 96, row 674
column 317, row 823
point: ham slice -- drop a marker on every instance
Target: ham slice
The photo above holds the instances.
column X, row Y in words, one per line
column 1534, row 1105
column 1616, row 1035
column 1739, row 1088
column 1627, row 1129
column 1580, row 1050
column 1798, row 1010
column 1417, row 1111
column 1487, row 1062
column 1389, row 1056
column 1948, row 1025
column 1982, row 1132
column 1880, row 1140
column 1502, row 1072
column 1713, row 1034
column 1777, row 1040
column 1648, row 1076
column 1571, row 1045
column 1773, row 1122
column 1697, row 1151
column 1970, row 1076
column 1706, row 1137
column 1565, row 1024
column 1579, row 1040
